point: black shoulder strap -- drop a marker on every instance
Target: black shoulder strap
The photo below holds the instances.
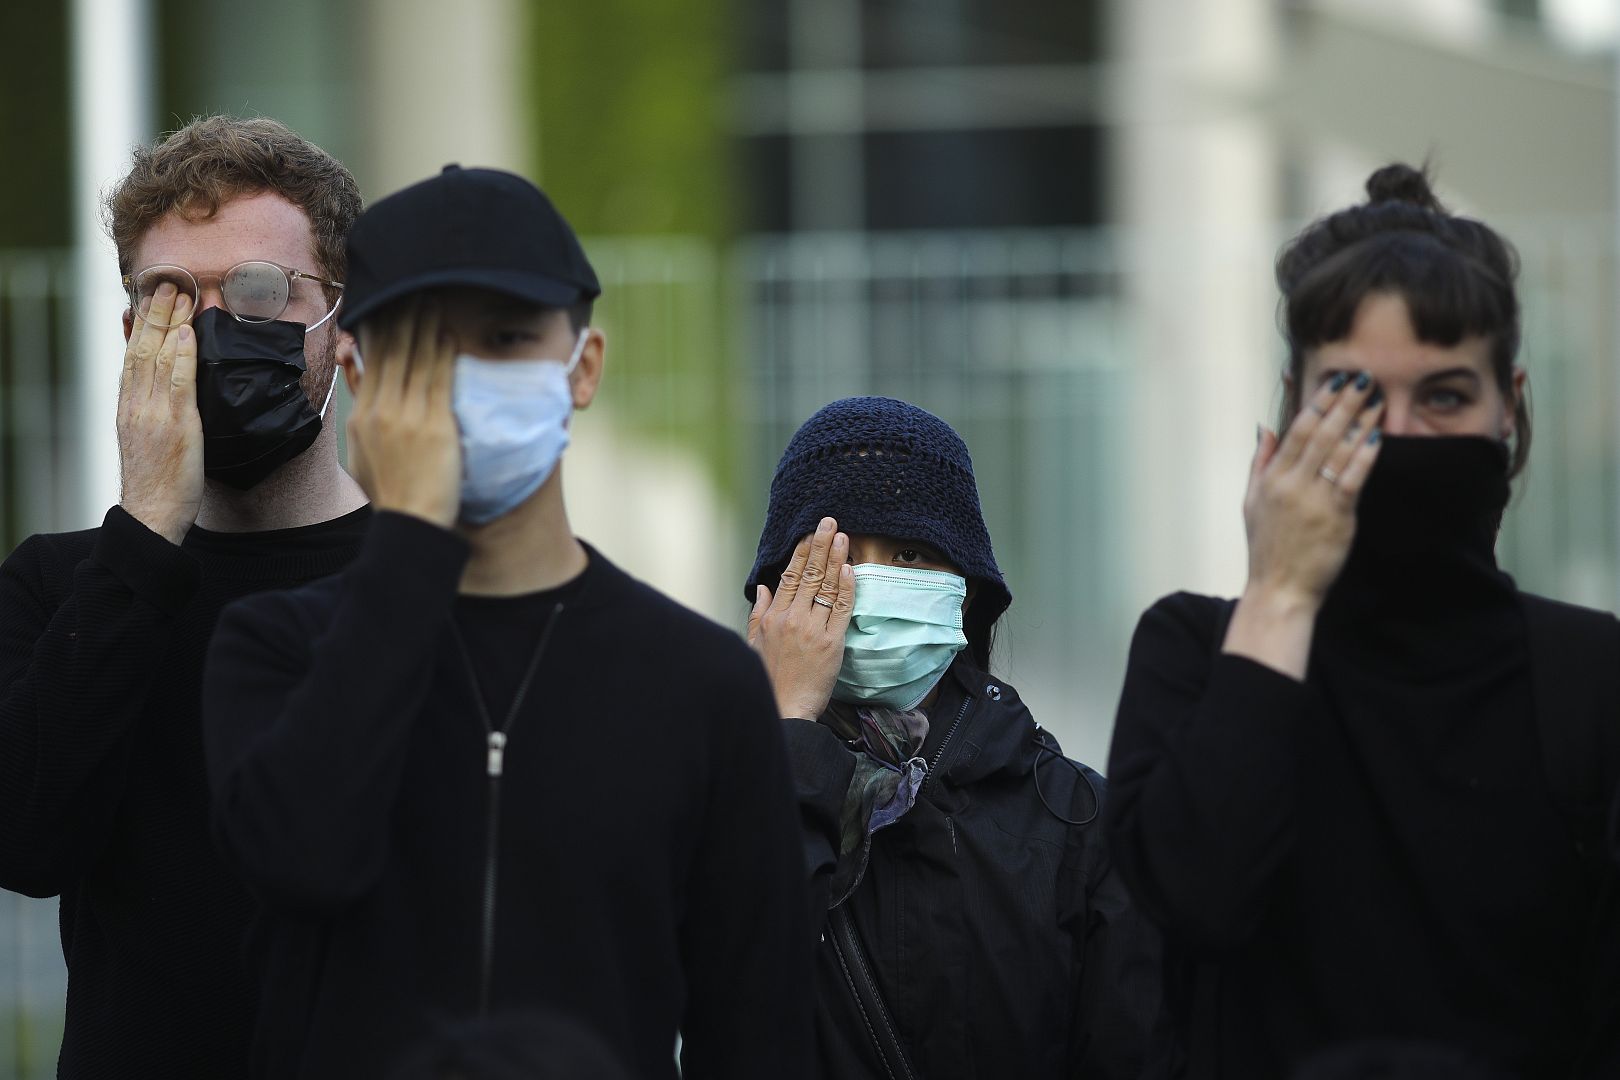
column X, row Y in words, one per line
column 1575, row 677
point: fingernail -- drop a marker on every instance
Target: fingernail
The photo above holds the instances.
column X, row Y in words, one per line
column 185, row 333
column 1336, row 383
column 1373, row 436
column 1363, row 381
column 826, row 525
column 1376, row 397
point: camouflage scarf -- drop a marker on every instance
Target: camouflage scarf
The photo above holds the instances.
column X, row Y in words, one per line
column 889, row 770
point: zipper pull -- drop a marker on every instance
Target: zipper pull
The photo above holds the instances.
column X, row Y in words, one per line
column 497, row 751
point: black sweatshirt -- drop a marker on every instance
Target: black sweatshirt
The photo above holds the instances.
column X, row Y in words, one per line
column 648, row 876
column 1373, row 853
column 103, row 796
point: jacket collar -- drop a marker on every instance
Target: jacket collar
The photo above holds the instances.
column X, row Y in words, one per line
column 996, row 734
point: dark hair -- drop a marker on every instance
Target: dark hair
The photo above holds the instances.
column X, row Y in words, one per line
column 197, row 169
column 579, row 315
column 1455, row 274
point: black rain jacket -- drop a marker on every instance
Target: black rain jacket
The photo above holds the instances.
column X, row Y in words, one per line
column 987, row 937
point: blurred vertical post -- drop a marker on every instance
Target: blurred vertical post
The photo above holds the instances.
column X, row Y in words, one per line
column 827, row 108
column 437, row 90
column 1196, row 187
column 112, row 100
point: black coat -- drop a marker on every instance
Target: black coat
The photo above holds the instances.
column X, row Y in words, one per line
column 625, row 858
column 998, row 937
column 1376, row 852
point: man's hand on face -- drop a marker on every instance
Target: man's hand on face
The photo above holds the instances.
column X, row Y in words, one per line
column 403, row 445
column 160, row 438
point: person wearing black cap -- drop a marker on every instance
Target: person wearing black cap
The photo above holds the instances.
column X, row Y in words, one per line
column 972, row 925
column 484, row 769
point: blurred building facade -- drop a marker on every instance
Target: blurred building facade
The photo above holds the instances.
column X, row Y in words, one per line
column 1052, row 224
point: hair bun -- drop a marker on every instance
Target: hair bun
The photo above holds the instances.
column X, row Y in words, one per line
column 1402, row 183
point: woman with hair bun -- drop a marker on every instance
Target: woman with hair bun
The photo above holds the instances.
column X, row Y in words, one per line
column 1367, row 798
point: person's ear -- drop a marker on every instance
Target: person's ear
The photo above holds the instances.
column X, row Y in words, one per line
column 346, row 359
column 587, row 374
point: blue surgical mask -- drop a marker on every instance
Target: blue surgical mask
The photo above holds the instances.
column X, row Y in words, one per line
column 513, row 416
column 905, row 629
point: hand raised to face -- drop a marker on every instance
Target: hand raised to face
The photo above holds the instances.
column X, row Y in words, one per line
column 404, row 448
column 799, row 632
column 1301, row 499
column 160, row 438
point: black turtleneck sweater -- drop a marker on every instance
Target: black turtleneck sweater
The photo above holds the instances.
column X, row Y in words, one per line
column 103, row 794
column 1374, row 853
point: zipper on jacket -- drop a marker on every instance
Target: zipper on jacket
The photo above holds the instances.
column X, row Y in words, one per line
column 492, row 838
column 950, row 733
column 858, row 975
column 494, row 765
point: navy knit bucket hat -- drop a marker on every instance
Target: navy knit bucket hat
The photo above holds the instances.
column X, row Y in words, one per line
column 886, row 467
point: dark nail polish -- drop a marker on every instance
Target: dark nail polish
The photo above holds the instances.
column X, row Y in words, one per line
column 1336, row 383
column 1363, row 381
column 1373, row 436
column 1375, row 397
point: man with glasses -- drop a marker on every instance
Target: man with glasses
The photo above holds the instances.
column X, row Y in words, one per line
column 230, row 241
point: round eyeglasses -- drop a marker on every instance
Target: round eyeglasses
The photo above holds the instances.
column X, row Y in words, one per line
column 255, row 291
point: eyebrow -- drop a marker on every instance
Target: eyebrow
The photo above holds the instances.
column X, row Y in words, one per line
column 1452, row 373
column 514, row 309
column 1433, row 376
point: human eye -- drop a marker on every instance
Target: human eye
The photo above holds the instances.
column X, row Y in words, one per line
column 511, row 338
column 918, row 555
column 1446, row 399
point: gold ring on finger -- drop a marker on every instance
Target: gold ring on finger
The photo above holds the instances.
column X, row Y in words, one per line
column 1328, row 474
column 822, row 600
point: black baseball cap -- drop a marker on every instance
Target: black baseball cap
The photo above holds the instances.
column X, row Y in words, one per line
column 478, row 227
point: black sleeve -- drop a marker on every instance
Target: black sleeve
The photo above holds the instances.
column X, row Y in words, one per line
column 77, row 663
column 746, row 944
column 822, row 768
column 307, row 713
column 1202, row 776
column 1117, row 956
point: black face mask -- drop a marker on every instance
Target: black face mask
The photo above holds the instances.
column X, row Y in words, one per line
column 255, row 417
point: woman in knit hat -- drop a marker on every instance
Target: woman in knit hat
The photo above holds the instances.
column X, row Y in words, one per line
column 971, row 924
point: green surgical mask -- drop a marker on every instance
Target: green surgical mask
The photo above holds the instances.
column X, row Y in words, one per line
column 905, row 629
